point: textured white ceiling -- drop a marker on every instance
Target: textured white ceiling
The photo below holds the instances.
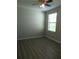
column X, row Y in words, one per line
column 30, row 3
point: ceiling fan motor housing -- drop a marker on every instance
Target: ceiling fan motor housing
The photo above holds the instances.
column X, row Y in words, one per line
column 45, row 1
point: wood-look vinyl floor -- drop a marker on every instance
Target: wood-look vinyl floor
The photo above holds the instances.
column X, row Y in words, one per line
column 41, row 48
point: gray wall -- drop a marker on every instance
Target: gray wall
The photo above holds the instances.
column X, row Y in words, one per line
column 57, row 34
column 30, row 22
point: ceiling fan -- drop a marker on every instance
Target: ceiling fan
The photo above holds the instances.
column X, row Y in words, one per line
column 43, row 3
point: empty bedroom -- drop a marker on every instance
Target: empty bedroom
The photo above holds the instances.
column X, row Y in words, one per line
column 38, row 29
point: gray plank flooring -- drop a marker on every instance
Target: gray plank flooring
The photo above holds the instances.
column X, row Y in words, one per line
column 40, row 48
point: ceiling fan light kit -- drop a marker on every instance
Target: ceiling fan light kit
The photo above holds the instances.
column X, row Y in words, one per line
column 42, row 5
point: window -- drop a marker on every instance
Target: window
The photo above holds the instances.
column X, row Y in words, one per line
column 52, row 22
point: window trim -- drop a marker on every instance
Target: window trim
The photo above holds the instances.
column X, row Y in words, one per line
column 52, row 22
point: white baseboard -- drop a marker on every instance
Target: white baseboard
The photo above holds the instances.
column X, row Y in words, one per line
column 53, row 39
column 39, row 37
column 30, row 37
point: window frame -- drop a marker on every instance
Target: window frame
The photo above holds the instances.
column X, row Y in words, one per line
column 52, row 22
